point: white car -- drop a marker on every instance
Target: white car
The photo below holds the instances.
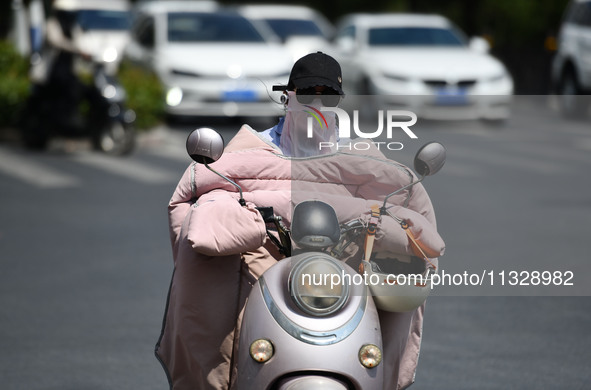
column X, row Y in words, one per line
column 424, row 64
column 102, row 28
column 301, row 29
column 571, row 68
column 212, row 62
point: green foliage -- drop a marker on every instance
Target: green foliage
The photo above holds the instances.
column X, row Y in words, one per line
column 14, row 84
column 145, row 94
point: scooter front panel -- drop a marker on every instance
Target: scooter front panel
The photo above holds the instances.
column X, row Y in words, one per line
column 323, row 346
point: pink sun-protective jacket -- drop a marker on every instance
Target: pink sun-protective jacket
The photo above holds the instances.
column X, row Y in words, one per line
column 220, row 249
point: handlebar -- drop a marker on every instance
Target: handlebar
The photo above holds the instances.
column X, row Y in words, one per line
column 284, row 241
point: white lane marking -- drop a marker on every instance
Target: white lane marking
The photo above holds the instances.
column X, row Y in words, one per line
column 34, row 173
column 125, row 167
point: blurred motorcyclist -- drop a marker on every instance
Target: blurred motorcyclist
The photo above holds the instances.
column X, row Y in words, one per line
column 62, row 85
column 220, row 248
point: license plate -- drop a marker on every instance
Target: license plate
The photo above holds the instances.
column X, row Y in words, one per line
column 239, row 95
column 451, row 97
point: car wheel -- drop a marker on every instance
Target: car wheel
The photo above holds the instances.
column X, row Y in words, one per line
column 572, row 103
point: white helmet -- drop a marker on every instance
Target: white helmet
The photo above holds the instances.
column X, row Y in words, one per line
column 394, row 288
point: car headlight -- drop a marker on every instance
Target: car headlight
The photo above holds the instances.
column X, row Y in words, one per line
column 317, row 285
column 174, row 96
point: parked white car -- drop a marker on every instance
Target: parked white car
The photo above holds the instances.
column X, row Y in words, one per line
column 301, row 29
column 212, row 62
column 422, row 63
column 571, row 68
column 102, row 28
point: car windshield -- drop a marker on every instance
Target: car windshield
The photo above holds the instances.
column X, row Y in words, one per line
column 103, row 20
column 285, row 28
column 204, row 27
column 414, row 36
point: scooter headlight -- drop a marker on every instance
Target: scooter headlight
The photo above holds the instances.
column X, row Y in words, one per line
column 317, row 285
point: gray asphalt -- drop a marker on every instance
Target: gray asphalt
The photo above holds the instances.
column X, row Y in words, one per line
column 86, row 259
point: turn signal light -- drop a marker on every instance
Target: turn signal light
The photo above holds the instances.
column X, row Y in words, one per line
column 261, row 350
column 370, row 355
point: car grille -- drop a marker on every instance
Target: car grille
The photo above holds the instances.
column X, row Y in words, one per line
column 444, row 83
column 466, row 83
column 436, row 83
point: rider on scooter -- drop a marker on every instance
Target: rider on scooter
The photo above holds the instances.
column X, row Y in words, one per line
column 220, row 247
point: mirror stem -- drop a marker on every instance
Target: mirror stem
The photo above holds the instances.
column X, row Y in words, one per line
column 241, row 200
column 383, row 209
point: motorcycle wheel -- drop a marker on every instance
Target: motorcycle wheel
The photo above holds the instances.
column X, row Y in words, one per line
column 116, row 139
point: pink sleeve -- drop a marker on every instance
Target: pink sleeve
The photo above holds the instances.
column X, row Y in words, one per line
column 179, row 206
column 218, row 226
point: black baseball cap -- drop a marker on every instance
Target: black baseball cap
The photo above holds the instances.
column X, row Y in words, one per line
column 312, row 70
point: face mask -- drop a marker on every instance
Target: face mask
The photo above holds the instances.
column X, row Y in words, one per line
column 306, row 130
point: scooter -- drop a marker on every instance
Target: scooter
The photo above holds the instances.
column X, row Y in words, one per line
column 301, row 329
column 99, row 114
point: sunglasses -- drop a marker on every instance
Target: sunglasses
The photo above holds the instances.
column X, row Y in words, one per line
column 329, row 97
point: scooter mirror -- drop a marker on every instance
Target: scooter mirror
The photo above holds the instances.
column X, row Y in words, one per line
column 429, row 159
column 205, row 145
